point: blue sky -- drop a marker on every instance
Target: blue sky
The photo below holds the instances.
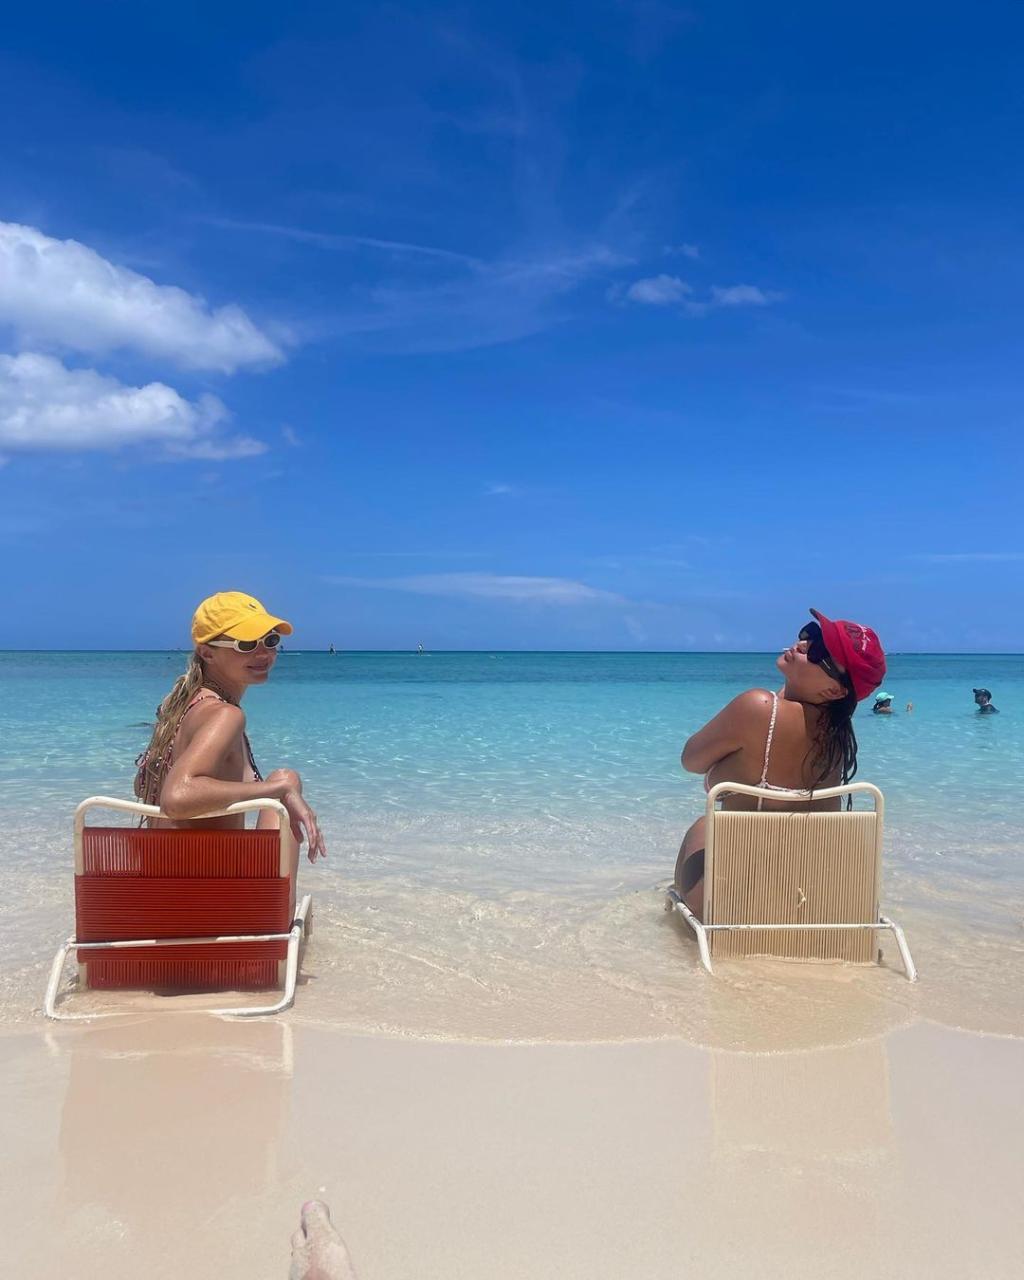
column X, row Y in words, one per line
column 598, row 325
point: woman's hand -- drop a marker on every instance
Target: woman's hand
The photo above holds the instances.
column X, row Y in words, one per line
column 303, row 820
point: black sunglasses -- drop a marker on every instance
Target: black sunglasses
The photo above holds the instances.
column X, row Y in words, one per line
column 819, row 654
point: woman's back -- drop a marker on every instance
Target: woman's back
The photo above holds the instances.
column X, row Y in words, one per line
column 777, row 750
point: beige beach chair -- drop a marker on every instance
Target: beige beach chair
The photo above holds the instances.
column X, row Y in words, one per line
column 799, row 885
column 196, row 909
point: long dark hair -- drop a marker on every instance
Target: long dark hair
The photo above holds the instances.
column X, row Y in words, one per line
column 834, row 749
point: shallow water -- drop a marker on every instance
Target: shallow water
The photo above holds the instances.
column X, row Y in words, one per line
column 500, row 826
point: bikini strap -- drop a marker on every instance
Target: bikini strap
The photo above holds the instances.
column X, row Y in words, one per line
column 204, row 695
column 768, row 745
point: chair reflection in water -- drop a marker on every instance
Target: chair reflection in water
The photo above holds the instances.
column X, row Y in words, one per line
column 798, row 885
column 197, row 909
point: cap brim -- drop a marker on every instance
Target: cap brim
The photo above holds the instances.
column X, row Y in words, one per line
column 835, row 639
column 256, row 625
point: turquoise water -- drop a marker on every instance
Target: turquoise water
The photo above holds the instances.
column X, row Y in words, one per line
column 511, row 786
column 574, row 733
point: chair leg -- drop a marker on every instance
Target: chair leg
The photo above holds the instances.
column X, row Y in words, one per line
column 291, row 971
column 695, row 925
column 56, row 973
column 901, row 943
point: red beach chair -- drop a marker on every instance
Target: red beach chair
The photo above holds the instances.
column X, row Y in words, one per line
column 193, row 910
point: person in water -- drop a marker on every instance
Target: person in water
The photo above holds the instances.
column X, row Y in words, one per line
column 883, row 704
column 199, row 758
column 984, row 700
column 800, row 738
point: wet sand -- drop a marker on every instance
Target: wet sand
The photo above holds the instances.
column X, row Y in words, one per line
column 183, row 1145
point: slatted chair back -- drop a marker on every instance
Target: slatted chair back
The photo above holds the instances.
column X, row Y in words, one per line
column 796, row 868
column 136, row 883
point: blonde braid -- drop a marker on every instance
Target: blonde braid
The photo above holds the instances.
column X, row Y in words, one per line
column 153, row 763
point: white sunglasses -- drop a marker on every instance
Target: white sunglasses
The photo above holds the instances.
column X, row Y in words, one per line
column 270, row 641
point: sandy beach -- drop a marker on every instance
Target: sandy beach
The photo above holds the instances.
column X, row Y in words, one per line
column 184, row 1145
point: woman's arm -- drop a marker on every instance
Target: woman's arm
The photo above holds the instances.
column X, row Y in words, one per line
column 192, row 786
column 730, row 730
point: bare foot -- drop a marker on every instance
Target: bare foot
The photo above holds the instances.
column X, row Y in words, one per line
column 318, row 1252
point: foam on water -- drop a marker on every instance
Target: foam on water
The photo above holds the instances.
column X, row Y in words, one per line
column 501, row 827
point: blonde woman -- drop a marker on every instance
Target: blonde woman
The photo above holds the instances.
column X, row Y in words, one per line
column 199, row 758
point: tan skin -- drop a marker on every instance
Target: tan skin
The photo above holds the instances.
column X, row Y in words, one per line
column 730, row 748
column 210, row 769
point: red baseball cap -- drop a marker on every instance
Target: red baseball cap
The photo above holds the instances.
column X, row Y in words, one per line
column 858, row 649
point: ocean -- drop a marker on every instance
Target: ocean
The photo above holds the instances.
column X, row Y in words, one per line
column 500, row 827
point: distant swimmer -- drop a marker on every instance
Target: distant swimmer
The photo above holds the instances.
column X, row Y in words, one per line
column 419, row 648
column 883, row 704
column 984, row 700
column 331, row 649
column 910, row 706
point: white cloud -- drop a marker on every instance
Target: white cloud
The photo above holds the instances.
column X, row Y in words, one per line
column 490, row 586
column 500, row 490
column 45, row 406
column 658, row 291
column 741, row 295
column 291, row 437
column 60, row 292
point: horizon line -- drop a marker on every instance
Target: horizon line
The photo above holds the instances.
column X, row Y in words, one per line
column 892, row 653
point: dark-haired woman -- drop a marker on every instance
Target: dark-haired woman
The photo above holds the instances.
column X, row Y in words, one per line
column 799, row 739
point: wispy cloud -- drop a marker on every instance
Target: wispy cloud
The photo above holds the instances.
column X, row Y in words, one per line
column 466, row 301
column 489, row 586
column 500, row 302
column 742, row 295
column 291, row 437
column 861, row 399
column 500, row 490
column 218, row 449
column 969, row 557
column 671, row 291
column 345, row 241
column 681, row 251
column 60, row 292
column 659, row 291
column 639, row 560
column 432, row 554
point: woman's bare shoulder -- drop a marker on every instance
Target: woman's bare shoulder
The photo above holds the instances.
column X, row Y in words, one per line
column 213, row 715
column 753, row 701
column 748, row 712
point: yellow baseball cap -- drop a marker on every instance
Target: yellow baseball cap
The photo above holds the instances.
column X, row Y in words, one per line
column 234, row 614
